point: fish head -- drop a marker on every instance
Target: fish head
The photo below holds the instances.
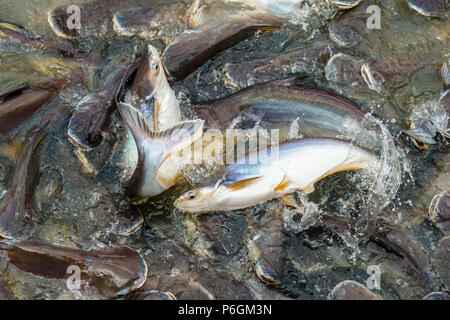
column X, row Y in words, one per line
column 197, row 200
column 150, row 77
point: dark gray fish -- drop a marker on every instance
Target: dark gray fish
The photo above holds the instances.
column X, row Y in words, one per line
column 441, row 260
column 352, row 290
column 437, row 296
column 94, row 16
column 93, row 113
column 439, row 210
column 28, row 38
column 154, row 295
column 17, row 212
column 299, row 61
column 277, row 104
column 390, row 73
column 5, row 294
column 400, row 244
column 193, row 48
column 21, row 103
column 113, row 271
column 430, row 8
column 152, row 23
column 345, row 4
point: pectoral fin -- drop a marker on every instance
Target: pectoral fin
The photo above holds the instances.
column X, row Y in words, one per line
column 284, row 184
column 242, row 184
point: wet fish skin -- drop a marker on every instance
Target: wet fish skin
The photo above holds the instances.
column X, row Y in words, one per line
column 25, row 37
column 154, row 149
column 151, row 93
column 429, row 8
column 296, row 61
column 18, row 105
column 298, row 165
column 193, row 48
column 93, row 113
column 94, row 14
column 352, row 290
column 5, row 294
column 277, row 103
column 113, row 271
column 17, row 214
column 151, row 23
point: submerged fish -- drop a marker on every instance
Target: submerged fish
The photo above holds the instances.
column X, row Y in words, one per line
column 17, row 214
column 276, row 104
column 308, row 60
column 154, row 149
column 26, row 37
column 93, row 113
column 19, row 104
column 295, row 165
column 114, row 271
column 152, row 23
column 93, row 15
column 345, row 4
column 429, row 8
column 205, row 38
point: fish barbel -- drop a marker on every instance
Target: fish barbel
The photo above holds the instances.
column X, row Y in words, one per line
column 276, row 172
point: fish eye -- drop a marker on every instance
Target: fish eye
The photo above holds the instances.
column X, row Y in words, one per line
column 191, row 195
column 154, row 66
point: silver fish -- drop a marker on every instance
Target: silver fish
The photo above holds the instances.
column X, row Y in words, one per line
column 154, row 149
column 295, row 165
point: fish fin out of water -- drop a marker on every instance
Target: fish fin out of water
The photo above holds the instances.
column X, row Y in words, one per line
column 353, row 166
column 242, row 184
column 136, row 122
column 285, row 182
column 195, row 15
column 310, row 187
column 173, row 140
column 290, row 200
column 179, row 136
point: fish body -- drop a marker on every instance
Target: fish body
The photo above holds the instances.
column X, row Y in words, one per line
column 205, row 38
column 154, row 149
column 151, row 94
column 19, row 104
column 17, row 214
column 93, row 112
column 25, row 37
column 111, row 271
column 276, row 172
column 276, row 104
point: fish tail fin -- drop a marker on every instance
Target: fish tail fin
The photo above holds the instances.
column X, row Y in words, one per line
column 195, row 15
column 136, row 123
column 179, row 136
column 170, row 141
